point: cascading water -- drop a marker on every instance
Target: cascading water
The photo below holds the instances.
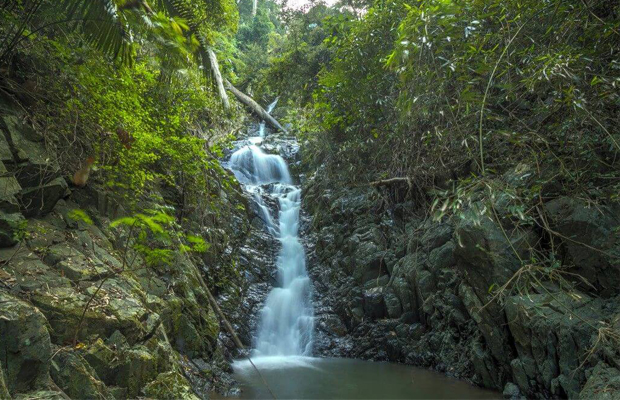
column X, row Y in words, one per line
column 287, row 319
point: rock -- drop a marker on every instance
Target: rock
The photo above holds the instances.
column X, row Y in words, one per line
column 40, row 200
column 392, row 304
column 25, row 348
column 550, row 336
column 76, row 378
column 4, row 390
column 592, row 242
column 368, row 262
column 333, row 324
column 74, row 264
column 115, row 307
column 603, row 384
column 436, row 236
column 42, row 395
column 442, row 258
column 9, row 189
column 512, row 392
column 136, row 368
column 486, row 257
column 170, row 386
column 11, row 228
column 374, row 303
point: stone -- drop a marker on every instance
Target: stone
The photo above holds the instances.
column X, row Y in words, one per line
column 74, row 264
column 25, row 347
column 442, row 258
column 512, row 392
column 392, row 304
column 374, row 304
column 170, row 386
column 4, row 390
column 40, row 200
column 9, row 189
column 12, row 226
column 136, row 368
column 436, row 236
column 603, row 383
column 550, row 340
column 368, row 262
column 333, row 324
column 593, row 243
column 76, row 378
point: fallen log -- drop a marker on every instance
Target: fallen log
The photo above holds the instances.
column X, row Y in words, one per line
column 255, row 107
column 391, row 181
column 215, row 68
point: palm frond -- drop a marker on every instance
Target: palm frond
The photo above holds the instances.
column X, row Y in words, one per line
column 104, row 24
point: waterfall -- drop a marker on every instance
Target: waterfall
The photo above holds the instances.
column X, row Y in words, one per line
column 287, row 318
column 261, row 127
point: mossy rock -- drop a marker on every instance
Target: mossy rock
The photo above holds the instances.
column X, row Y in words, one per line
column 4, row 390
column 41, row 395
column 114, row 308
column 170, row 386
column 25, row 347
column 137, row 367
column 103, row 360
column 77, row 378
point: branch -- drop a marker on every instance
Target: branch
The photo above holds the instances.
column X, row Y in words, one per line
column 254, row 106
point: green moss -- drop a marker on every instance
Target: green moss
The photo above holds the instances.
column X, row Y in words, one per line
column 170, row 386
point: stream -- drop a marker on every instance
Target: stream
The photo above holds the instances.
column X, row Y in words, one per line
column 282, row 346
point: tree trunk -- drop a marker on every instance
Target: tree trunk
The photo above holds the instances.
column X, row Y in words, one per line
column 255, row 107
column 218, row 77
column 254, row 7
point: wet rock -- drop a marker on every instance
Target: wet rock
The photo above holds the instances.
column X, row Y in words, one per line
column 374, row 303
column 392, row 304
column 512, row 392
column 592, row 244
column 25, row 348
column 332, row 324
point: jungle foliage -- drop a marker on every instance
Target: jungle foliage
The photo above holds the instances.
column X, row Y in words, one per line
column 123, row 83
column 446, row 95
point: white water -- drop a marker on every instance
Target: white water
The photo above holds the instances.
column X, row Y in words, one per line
column 287, row 318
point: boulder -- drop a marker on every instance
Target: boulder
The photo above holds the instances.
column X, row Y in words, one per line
column 4, row 390
column 603, row 383
column 374, row 303
column 25, row 347
column 590, row 240
column 170, row 386
column 76, row 378
column 9, row 189
column 40, row 200
column 551, row 332
column 368, row 262
column 11, row 228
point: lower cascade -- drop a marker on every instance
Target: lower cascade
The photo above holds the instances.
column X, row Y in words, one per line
column 287, row 318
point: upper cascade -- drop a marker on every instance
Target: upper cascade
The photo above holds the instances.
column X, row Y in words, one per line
column 251, row 165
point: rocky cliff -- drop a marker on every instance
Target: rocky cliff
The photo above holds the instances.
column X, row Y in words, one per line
column 82, row 314
column 466, row 295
